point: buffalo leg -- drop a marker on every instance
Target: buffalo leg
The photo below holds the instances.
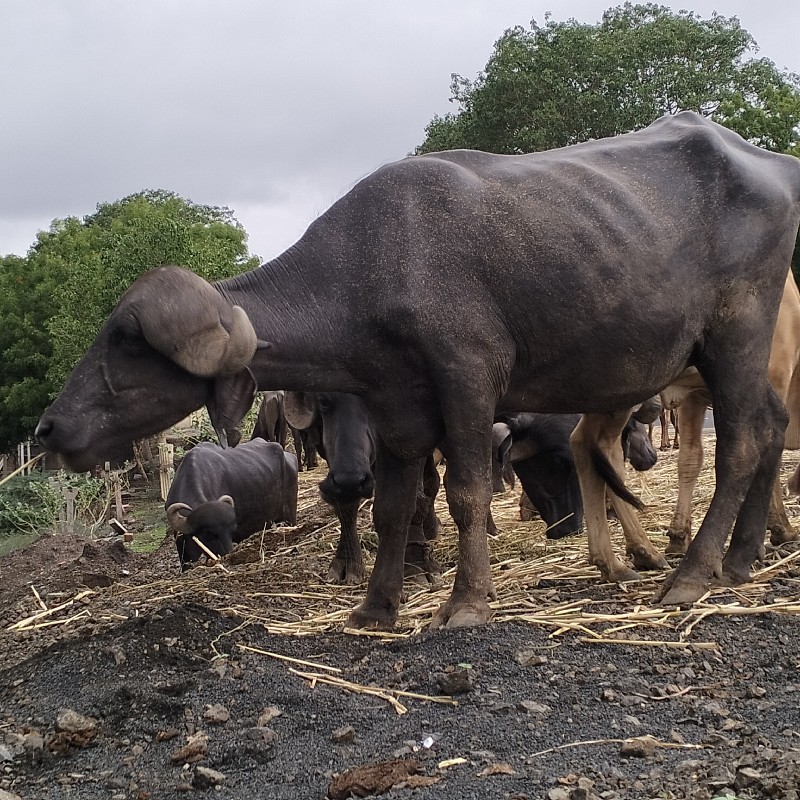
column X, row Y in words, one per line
column 663, row 418
column 601, row 432
column 468, row 449
column 781, row 530
column 396, row 482
column 750, row 422
column 690, row 462
column 347, row 565
column 420, row 565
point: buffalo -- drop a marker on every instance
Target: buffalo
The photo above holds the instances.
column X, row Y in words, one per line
column 220, row 496
column 446, row 286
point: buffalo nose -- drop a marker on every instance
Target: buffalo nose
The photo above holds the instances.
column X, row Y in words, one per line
column 352, row 484
column 43, row 431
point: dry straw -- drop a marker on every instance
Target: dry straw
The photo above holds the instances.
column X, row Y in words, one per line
column 274, row 579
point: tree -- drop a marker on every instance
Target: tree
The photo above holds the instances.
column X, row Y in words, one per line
column 54, row 300
column 567, row 82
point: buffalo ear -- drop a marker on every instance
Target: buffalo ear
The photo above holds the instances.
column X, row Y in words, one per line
column 299, row 408
column 233, row 397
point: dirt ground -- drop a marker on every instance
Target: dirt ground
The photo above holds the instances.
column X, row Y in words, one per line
column 121, row 678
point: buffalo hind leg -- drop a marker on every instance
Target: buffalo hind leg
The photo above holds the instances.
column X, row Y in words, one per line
column 781, row 530
column 396, row 482
column 468, row 449
column 749, row 445
column 420, row 565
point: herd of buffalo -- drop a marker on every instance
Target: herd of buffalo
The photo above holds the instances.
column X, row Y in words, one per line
column 474, row 304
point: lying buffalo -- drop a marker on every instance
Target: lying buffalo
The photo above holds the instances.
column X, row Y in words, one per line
column 222, row 496
column 447, row 286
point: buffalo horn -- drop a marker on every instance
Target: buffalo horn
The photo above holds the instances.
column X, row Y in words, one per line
column 200, row 331
column 226, row 498
column 297, row 412
column 175, row 519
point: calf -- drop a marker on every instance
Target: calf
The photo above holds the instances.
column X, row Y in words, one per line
column 345, row 437
column 222, row 496
column 271, row 420
column 537, row 447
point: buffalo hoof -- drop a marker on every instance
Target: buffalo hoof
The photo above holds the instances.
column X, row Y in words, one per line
column 678, row 543
column 462, row 615
column 642, row 559
column 779, row 534
column 346, row 572
column 681, row 590
column 369, row 617
column 735, row 571
column 420, row 565
column 618, row 572
column 561, row 532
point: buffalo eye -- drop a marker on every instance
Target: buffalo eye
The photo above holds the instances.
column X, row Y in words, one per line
column 324, row 403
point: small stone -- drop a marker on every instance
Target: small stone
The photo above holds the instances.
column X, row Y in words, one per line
column 205, row 777
column 558, row 794
column 262, row 735
column 167, row 735
column 216, row 714
column 4, row 795
column 532, row 707
column 267, row 715
column 459, row 681
column 343, row 735
column 194, row 750
column 72, row 722
column 530, row 658
column 640, row 747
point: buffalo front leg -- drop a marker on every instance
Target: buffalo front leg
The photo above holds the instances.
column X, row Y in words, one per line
column 347, row 566
column 396, row 483
column 690, row 462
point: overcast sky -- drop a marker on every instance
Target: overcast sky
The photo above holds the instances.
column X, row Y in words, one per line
column 274, row 109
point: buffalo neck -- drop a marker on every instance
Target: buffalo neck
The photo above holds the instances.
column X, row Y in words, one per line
column 302, row 325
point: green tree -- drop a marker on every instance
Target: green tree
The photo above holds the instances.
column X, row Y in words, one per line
column 567, row 82
column 54, row 300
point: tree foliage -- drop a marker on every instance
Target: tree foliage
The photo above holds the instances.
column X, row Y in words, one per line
column 566, row 82
column 54, row 300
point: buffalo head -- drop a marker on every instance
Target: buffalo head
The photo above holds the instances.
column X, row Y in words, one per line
column 172, row 344
column 212, row 523
column 346, row 441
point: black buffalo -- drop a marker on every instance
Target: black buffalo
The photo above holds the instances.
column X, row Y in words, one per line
column 271, row 422
column 536, row 447
column 223, row 495
column 345, row 437
column 444, row 287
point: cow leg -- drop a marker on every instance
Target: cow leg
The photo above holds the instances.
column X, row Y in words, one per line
column 690, row 462
column 749, row 433
column 347, row 566
column 430, row 489
column 663, row 418
column 781, row 530
column 601, row 432
column 393, row 506
column 747, row 539
column 642, row 551
column 676, row 441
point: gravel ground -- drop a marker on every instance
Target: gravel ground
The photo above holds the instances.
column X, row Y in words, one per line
column 185, row 696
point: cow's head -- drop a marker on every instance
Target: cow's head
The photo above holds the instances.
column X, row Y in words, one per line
column 171, row 345
column 212, row 523
column 347, row 441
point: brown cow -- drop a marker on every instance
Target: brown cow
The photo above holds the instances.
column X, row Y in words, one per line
column 691, row 394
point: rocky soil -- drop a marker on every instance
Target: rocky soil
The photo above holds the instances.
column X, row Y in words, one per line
column 122, row 679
